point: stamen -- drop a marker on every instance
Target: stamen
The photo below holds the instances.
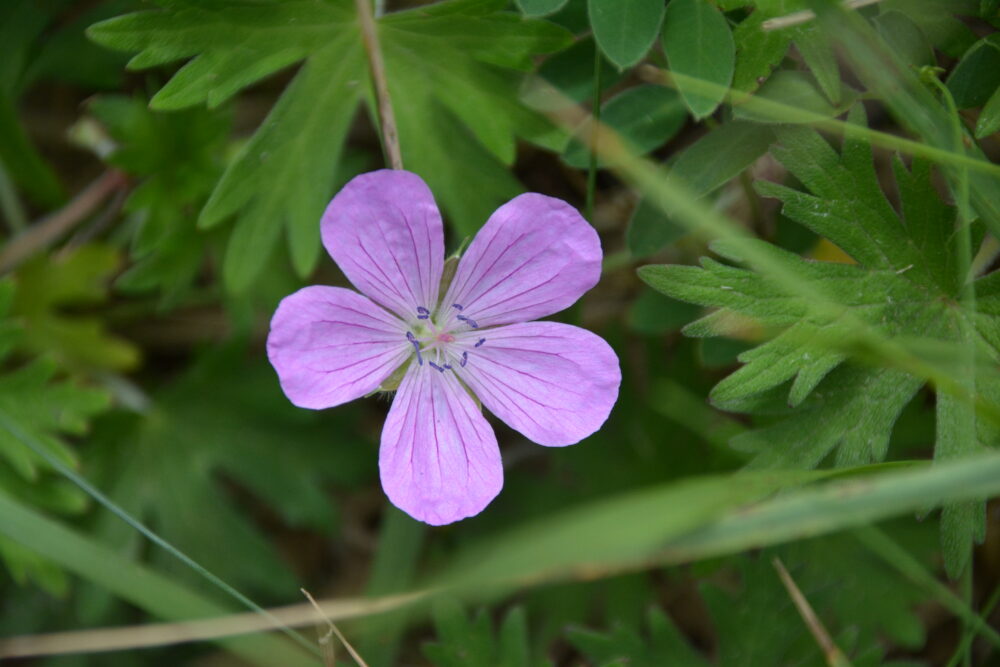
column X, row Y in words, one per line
column 423, row 313
column 416, row 346
column 435, row 366
column 468, row 320
column 465, row 359
column 480, row 342
column 457, row 306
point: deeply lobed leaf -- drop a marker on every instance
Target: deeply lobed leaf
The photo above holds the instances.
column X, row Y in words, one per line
column 450, row 62
column 905, row 287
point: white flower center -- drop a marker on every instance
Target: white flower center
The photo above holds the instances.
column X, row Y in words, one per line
column 438, row 346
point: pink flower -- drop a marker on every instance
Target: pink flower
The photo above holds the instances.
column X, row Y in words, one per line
column 555, row 383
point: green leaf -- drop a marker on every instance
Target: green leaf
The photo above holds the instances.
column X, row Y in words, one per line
column 937, row 19
column 174, row 160
column 858, row 598
column 401, row 540
column 21, row 24
column 49, row 284
column 905, row 37
column 798, row 92
column 701, row 518
column 625, row 29
column 65, row 54
column 540, row 7
column 624, row 645
column 608, row 531
column 284, row 175
column 48, row 408
column 721, row 155
column 859, row 589
column 962, row 524
column 758, row 51
column 148, row 590
column 989, row 119
column 462, row 642
column 653, row 314
column 906, row 286
column 650, row 230
column 645, row 117
column 699, row 44
column 514, row 648
column 22, row 161
column 912, row 103
column 899, row 288
column 818, row 53
column 247, row 434
column 706, row 165
column 747, row 637
column 977, row 74
column 451, row 62
column 572, row 71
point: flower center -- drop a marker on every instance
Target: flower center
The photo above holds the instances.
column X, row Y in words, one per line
column 439, row 346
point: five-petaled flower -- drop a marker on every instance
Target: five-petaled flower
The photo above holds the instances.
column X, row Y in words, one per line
column 555, row 383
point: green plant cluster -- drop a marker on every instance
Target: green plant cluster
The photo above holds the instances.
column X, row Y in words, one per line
column 799, row 205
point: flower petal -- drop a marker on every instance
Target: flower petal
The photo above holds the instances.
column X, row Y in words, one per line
column 535, row 256
column 439, row 458
column 384, row 231
column 330, row 345
column 553, row 382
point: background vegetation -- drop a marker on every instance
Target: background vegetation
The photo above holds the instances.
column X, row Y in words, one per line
column 799, row 203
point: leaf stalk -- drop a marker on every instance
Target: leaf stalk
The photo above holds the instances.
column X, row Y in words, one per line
column 387, row 119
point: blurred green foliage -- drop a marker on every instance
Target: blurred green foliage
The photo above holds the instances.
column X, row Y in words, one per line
column 163, row 167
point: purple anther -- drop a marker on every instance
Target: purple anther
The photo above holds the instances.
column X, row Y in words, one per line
column 423, row 313
column 416, row 346
column 447, row 367
column 457, row 306
column 468, row 320
column 465, row 359
column 479, row 342
column 435, row 366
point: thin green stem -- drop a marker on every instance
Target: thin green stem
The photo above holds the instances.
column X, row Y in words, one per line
column 596, row 114
column 39, row 449
column 966, row 643
column 780, row 111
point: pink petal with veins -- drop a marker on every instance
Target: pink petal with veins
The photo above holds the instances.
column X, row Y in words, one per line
column 439, row 459
column 535, row 256
column 553, row 382
column 331, row 345
column 384, row 231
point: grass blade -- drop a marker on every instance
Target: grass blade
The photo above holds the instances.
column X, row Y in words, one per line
column 132, row 582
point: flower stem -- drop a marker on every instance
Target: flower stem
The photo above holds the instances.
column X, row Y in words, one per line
column 49, row 229
column 387, row 120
